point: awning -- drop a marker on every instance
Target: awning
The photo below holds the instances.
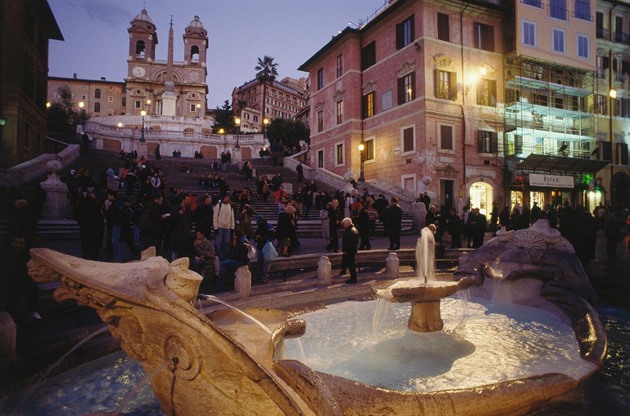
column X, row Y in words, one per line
column 548, row 163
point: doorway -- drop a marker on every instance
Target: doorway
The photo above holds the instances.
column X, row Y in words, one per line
column 482, row 197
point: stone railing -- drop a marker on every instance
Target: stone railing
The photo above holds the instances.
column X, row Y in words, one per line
column 36, row 167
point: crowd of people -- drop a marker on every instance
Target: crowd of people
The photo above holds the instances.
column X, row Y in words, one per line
column 217, row 228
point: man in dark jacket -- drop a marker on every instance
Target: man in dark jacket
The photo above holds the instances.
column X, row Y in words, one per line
column 349, row 248
column 335, row 214
column 236, row 257
column 363, row 225
column 394, row 224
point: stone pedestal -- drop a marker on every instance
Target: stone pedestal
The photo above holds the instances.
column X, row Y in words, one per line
column 425, row 317
column 56, row 203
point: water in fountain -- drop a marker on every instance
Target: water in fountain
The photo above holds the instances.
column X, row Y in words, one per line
column 245, row 314
column 425, row 255
column 133, row 393
column 496, row 343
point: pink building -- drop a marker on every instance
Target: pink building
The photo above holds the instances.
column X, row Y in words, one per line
column 420, row 86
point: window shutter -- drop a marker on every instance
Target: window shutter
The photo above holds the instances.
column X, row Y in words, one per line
column 399, row 35
column 364, row 106
column 453, row 85
column 435, row 83
column 622, row 153
column 401, row 91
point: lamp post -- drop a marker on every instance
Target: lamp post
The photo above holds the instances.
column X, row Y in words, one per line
column 142, row 113
column 237, row 122
column 362, row 153
column 612, row 93
column 198, row 110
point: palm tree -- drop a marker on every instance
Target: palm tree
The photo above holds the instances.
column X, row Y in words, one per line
column 267, row 72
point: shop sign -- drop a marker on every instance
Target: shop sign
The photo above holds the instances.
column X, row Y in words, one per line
column 551, row 181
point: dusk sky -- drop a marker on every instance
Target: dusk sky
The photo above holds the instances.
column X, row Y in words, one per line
column 239, row 32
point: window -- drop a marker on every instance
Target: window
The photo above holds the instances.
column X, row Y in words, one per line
column 443, row 26
column 406, row 88
column 339, row 65
column 192, row 108
column 558, row 40
column 320, row 120
column 320, row 78
column 367, row 107
column 27, row 133
column 387, row 100
column 408, row 139
column 621, row 153
column 518, row 144
column 446, row 137
column 320, row 159
column 368, row 152
column 97, row 93
column 140, row 49
column 618, row 29
column 484, row 37
column 582, row 46
column 404, row 33
column 535, row 3
column 97, row 107
column 137, row 104
column 599, row 25
column 583, row 9
column 368, row 56
column 529, row 33
column 110, row 98
column 488, row 142
column 339, row 154
column 446, row 84
column 339, row 112
column 487, row 92
column 558, row 9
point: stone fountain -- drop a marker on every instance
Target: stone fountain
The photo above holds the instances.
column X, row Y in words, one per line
column 226, row 364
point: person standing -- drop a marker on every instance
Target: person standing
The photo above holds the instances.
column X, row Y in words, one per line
column 454, row 226
column 223, row 223
column 323, row 217
column 478, row 224
column 349, row 249
column 88, row 216
column 300, row 172
column 14, row 276
column 394, row 224
column 335, row 215
column 363, row 225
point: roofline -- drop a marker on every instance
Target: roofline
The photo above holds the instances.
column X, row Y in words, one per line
column 54, row 32
column 84, row 80
column 377, row 19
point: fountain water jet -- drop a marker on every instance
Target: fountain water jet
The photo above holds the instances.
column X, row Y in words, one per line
column 424, row 293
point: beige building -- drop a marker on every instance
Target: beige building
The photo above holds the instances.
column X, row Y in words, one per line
column 612, row 100
column 166, row 87
column 98, row 97
column 285, row 99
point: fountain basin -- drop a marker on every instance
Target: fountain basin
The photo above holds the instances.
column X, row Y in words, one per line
column 226, row 364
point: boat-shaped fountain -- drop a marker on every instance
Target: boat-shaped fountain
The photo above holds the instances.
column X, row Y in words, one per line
column 227, row 364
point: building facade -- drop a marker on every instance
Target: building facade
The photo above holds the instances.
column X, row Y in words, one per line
column 25, row 30
column 419, row 87
column 478, row 102
column 285, row 99
column 611, row 103
column 99, row 97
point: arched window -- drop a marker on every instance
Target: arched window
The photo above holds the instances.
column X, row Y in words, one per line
column 97, row 93
column 140, row 49
column 194, row 53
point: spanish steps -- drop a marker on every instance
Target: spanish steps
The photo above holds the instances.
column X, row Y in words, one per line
column 309, row 224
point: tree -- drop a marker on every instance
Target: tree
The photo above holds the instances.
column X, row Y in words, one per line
column 61, row 116
column 223, row 118
column 288, row 132
column 267, row 72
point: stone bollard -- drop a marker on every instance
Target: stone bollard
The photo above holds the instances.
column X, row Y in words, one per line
column 243, row 281
column 324, row 270
column 8, row 337
column 392, row 265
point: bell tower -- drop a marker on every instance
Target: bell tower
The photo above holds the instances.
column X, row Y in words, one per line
column 142, row 41
column 195, row 43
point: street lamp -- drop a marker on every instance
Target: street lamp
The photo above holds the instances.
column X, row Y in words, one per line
column 612, row 93
column 362, row 150
column 198, row 110
column 142, row 113
column 149, row 106
column 237, row 122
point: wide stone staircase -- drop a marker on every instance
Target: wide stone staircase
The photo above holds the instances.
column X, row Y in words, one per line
column 309, row 224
